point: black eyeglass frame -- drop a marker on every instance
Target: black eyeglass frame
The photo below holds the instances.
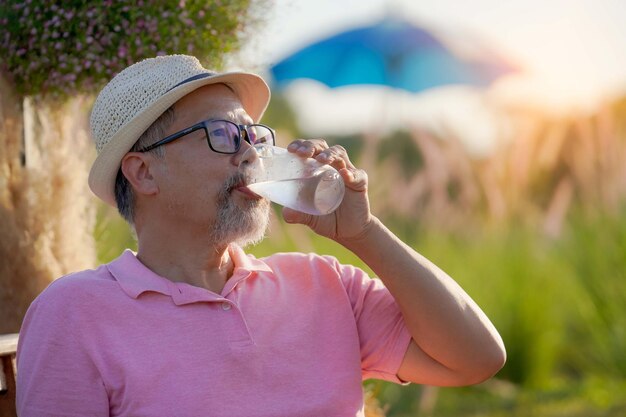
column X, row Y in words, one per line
column 241, row 129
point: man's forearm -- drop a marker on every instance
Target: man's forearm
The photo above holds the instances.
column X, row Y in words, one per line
column 443, row 320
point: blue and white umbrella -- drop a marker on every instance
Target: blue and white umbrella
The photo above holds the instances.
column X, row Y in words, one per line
column 393, row 53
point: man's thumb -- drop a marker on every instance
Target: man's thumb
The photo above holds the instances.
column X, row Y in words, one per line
column 294, row 216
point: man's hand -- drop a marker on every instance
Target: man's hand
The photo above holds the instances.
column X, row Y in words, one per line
column 352, row 217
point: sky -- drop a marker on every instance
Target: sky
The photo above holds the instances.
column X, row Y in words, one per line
column 573, row 55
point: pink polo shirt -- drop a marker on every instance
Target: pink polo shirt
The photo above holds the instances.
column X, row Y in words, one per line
column 290, row 335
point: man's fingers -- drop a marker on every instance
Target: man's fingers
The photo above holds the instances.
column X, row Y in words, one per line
column 337, row 156
column 308, row 148
column 355, row 179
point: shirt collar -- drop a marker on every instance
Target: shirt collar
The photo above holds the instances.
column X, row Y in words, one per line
column 246, row 261
column 135, row 278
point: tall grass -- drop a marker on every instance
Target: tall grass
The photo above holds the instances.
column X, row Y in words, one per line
column 595, row 247
column 45, row 205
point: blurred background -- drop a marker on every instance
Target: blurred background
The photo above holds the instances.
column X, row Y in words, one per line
column 493, row 133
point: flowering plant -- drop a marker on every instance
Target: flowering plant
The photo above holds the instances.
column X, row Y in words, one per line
column 59, row 48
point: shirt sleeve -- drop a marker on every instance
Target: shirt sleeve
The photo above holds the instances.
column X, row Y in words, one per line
column 56, row 376
column 383, row 335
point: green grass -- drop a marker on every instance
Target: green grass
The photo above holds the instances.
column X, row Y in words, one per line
column 560, row 306
column 590, row 397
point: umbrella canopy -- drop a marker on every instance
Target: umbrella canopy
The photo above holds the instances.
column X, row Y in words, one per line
column 392, row 52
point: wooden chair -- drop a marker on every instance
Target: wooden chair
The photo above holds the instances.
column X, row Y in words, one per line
column 8, row 373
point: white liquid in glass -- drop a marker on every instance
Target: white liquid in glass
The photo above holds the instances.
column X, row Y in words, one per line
column 317, row 195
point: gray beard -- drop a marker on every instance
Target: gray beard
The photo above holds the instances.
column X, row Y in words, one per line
column 240, row 225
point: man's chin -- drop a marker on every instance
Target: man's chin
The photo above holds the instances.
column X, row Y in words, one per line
column 243, row 226
column 255, row 234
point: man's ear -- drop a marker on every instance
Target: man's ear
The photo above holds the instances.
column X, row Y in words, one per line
column 136, row 167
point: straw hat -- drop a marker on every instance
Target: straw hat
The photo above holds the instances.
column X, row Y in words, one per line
column 138, row 95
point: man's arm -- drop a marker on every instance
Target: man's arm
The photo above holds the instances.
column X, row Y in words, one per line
column 453, row 342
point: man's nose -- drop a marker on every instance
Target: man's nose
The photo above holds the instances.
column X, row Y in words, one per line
column 247, row 156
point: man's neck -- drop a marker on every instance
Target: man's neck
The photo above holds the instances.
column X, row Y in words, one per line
column 193, row 262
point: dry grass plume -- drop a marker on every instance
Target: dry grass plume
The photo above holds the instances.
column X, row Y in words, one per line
column 46, row 211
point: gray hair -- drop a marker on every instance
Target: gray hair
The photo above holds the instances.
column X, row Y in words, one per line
column 124, row 195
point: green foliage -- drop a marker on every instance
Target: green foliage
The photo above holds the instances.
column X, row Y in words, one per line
column 589, row 398
column 112, row 234
column 514, row 278
column 59, row 48
column 595, row 246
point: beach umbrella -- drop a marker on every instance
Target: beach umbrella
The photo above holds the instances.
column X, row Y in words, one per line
column 392, row 52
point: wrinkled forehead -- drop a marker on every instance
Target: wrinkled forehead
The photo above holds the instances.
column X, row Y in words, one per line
column 215, row 101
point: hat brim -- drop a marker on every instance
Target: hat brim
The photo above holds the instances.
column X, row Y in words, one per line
column 251, row 90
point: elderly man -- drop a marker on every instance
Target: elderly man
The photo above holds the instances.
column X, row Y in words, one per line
column 192, row 326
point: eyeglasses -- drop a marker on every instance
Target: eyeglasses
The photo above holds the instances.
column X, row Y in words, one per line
column 223, row 136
